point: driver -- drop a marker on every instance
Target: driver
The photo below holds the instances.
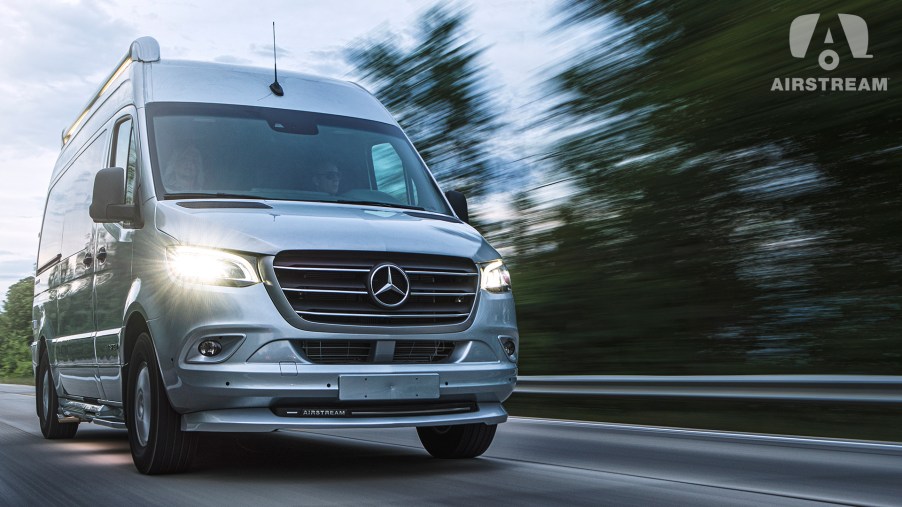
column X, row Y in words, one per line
column 327, row 178
column 184, row 171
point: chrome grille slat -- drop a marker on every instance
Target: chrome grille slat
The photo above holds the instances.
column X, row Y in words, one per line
column 388, row 316
column 451, row 273
column 346, row 270
column 326, row 291
column 330, row 287
column 439, row 294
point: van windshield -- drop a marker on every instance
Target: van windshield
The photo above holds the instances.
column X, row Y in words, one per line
column 216, row 150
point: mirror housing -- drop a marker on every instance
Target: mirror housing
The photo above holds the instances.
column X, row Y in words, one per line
column 458, row 203
column 108, row 202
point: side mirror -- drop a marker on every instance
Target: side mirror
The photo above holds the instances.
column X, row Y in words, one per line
column 108, row 203
column 458, row 203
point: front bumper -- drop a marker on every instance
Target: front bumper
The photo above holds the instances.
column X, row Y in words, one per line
column 261, row 371
column 264, row 420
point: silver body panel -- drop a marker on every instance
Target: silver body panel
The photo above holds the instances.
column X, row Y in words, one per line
column 81, row 311
column 176, row 81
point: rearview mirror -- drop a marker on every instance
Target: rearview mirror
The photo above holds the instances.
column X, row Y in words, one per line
column 108, row 202
column 458, row 203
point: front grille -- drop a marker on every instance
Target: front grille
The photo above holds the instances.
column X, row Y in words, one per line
column 357, row 351
column 331, row 288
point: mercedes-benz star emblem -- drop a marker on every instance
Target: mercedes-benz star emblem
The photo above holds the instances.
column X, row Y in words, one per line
column 389, row 285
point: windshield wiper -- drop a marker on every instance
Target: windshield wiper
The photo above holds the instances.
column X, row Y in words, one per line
column 378, row 203
column 211, row 195
column 225, row 195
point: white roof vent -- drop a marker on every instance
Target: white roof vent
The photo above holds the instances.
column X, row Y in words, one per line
column 145, row 49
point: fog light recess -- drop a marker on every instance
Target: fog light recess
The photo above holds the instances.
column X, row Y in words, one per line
column 509, row 346
column 209, row 348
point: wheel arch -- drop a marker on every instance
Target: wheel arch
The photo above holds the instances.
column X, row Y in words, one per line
column 134, row 326
column 40, row 347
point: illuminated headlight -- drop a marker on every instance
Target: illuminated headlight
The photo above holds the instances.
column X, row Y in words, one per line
column 495, row 277
column 210, row 266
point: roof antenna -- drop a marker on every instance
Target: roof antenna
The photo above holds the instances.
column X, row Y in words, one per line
column 275, row 86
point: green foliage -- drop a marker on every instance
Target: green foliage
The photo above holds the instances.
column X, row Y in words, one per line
column 15, row 330
column 436, row 91
column 710, row 225
column 717, row 226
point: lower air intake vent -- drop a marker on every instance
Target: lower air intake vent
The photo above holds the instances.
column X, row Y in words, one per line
column 422, row 351
column 356, row 352
column 337, row 351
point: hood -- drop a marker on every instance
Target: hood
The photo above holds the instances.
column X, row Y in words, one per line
column 269, row 227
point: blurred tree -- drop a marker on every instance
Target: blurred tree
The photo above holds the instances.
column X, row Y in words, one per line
column 718, row 226
column 437, row 92
column 15, row 329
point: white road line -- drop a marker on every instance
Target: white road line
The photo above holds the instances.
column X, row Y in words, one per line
column 644, row 477
column 855, row 444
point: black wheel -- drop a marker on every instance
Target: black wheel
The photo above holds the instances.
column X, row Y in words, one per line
column 48, row 404
column 159, row 446
column 462, row 441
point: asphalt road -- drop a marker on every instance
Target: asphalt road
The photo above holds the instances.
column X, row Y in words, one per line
column 532, row 462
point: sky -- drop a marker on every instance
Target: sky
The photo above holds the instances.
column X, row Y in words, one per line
column 54, row 54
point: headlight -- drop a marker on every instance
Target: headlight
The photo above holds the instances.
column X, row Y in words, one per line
column 495, row 277
column 210, row 266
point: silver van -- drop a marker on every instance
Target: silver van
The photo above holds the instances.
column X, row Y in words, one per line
column 223, row 254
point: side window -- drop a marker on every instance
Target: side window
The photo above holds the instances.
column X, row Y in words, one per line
column 389, row 171
column 74, row 189
column 125, row 155
column 52, row 229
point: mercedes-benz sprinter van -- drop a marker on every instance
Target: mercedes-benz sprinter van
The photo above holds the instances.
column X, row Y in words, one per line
column 220, row 254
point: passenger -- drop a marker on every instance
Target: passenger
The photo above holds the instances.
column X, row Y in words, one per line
column 184, row 172
column 327, row 178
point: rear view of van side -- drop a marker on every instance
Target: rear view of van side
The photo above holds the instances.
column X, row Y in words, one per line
column 218, row 257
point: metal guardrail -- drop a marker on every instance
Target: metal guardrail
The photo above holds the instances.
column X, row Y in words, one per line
column 845, row 388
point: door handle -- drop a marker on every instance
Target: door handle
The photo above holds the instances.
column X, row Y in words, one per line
column 101, row 255
column 88, row 260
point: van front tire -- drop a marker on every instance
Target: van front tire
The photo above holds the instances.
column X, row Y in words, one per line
column 158, row 444
column 48, row 404
column 454, row 442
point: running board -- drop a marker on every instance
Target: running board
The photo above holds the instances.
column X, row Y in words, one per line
column 119, row 425
column 104, row 415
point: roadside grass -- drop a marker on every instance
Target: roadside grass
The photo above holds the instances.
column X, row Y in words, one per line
column 26, row 381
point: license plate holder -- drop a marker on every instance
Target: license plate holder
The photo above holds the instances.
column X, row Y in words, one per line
column 413, row 386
